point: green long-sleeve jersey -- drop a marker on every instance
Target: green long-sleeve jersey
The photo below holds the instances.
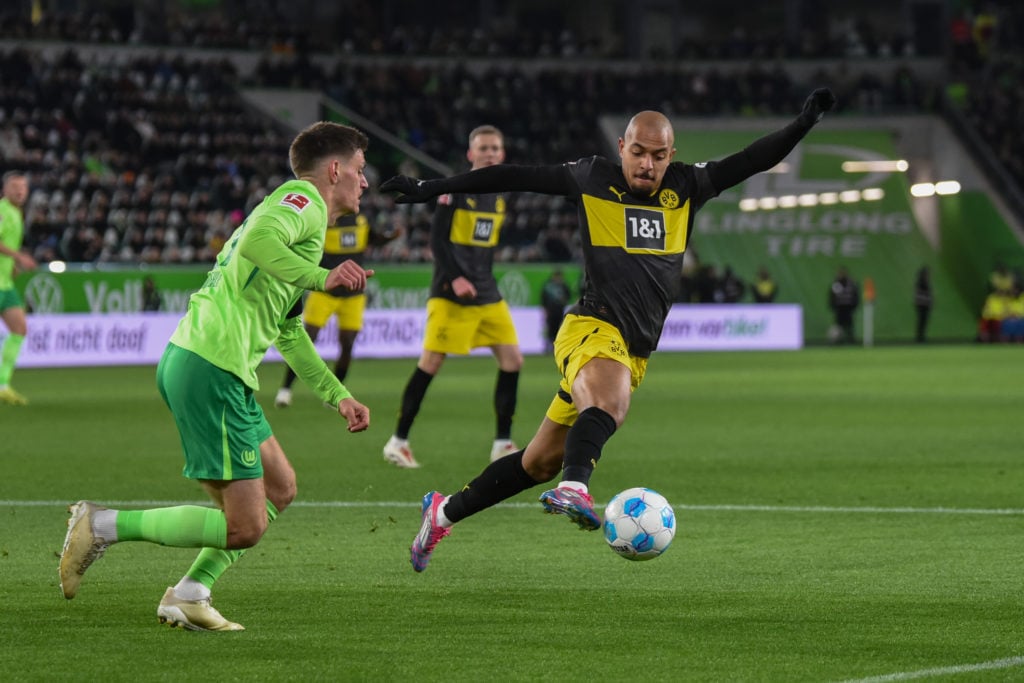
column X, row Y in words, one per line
column 249, row 300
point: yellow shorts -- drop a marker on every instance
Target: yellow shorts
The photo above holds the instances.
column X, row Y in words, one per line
column 581, row 339
column 452, row 328
column 348, row 310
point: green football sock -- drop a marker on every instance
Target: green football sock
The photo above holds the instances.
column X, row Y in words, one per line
column 9, row 356
column 184, row 526
column 212, row 562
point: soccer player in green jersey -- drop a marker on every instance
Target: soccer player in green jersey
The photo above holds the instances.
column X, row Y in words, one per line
column 207, row 377
column 636, row 218
column 12, row 259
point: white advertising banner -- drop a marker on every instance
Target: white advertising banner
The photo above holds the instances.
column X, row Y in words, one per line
column 733, row 327
column 81, row 339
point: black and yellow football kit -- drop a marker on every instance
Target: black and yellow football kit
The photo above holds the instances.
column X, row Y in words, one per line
column 632, row 245
column 347, row 239
column 463, row 236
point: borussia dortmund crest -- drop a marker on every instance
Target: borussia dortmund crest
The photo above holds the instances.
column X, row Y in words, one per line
column 668, row 198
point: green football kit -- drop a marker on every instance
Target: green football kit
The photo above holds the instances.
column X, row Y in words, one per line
column 249, row 301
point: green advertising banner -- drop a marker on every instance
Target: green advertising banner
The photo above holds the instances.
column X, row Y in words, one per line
column 874, row 234
column 120, row 290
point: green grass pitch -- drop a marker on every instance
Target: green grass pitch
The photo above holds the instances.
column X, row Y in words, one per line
column 843, row 514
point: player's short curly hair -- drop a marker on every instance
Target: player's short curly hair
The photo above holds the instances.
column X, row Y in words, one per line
column 324, row 139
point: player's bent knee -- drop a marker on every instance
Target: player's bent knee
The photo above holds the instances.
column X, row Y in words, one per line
column 283, row 496
column 246, row 536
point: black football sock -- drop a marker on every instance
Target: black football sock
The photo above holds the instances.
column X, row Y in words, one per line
column 415, row 390
column 505, row 391
column 500, row 480
column 584, row 442
column 341, row 370
column 289, row 378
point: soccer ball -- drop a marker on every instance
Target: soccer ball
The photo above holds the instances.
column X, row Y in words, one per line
column 639, row 524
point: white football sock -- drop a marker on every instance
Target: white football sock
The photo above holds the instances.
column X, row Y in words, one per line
column 190, row 589
column 575, row 485
column 442, row 520
column 104, row 525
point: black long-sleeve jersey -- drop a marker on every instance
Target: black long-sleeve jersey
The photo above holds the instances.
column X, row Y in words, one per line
column 632, row 245
column 463, row 235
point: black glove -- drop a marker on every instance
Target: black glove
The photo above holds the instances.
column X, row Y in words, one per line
column 413, row 190
column 818, row 102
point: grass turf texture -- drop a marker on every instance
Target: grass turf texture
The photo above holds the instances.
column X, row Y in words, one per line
column 812, row 544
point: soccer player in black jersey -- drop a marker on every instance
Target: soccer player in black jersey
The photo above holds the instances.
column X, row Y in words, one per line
column 636, row 218
column 347, row 239
column 465, row 310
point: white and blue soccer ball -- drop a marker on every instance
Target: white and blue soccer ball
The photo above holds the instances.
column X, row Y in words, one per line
column 639, row 524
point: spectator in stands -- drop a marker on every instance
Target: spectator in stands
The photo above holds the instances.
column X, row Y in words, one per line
column 151, row 298
column 1000, row 279
column 12, row 261
column 764, row 288
column 554, row 297
column 843, row 299
column 1013, row 323
column 993, row 313
column 922, row 303
column 733, row 288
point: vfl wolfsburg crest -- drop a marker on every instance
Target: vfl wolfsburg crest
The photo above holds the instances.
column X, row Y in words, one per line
column 43, row 294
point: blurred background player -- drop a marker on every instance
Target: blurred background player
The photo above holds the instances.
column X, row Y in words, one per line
column 465, row 310
column 12, row 260
column 348, row 238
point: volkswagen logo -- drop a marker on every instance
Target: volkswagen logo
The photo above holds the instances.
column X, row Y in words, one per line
column 514, row 288
column 43, row 294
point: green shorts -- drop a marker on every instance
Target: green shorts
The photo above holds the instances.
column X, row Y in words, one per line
column 10, row 298
column 220, row 423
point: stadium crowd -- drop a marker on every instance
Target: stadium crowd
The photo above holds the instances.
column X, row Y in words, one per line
column 157, row 158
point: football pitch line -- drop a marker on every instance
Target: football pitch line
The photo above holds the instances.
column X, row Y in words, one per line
column 1007, row 663
column 823, row 509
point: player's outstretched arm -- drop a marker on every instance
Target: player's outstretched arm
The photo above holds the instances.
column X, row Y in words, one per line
column 766, row 152
column 355, row 413
column 501, row 178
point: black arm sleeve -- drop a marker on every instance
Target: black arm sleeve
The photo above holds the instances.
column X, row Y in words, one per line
column 759, row 156
column 511, row 178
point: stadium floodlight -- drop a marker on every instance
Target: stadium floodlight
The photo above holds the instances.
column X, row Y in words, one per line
column 945, row 187
column 849, row 196
column 828, row 198
column 922, row 189
column 872, row 194
column 767, row 202
column 808, row 200
column 787, row 201
column 57, row 266
column 748, row 205
column 876, row 166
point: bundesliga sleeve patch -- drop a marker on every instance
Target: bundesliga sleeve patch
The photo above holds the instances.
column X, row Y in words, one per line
column 296, row 201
